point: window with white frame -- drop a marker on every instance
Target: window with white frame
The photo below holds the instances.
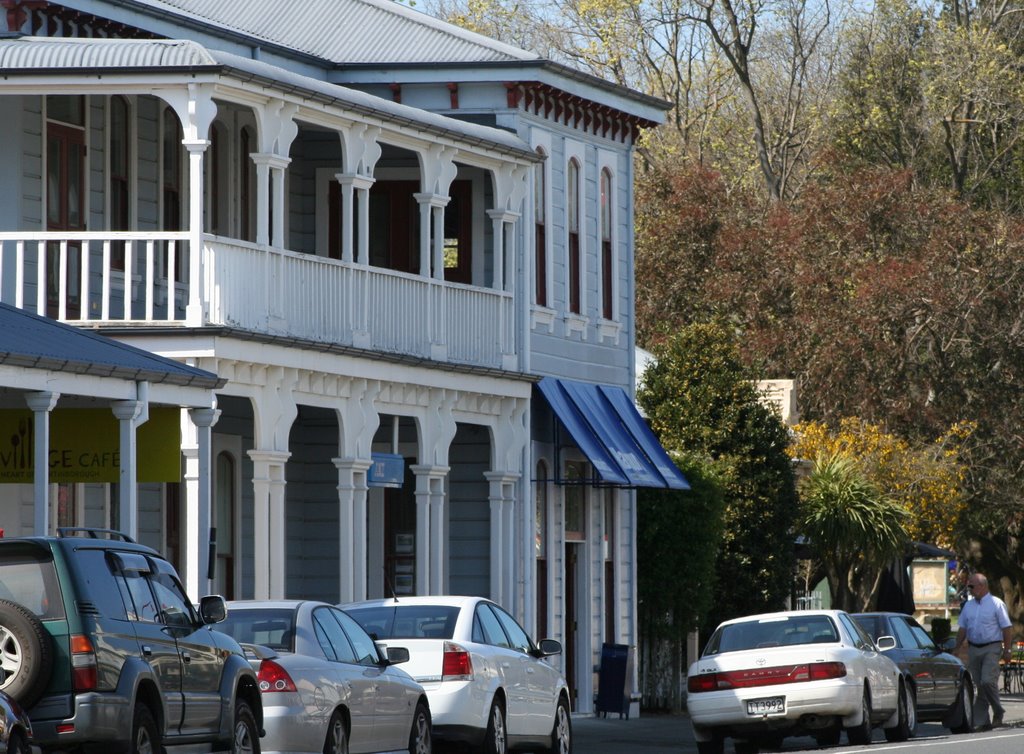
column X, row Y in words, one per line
column 119, row 175
column 575, row 272
column 607, row 266
column 540, row 224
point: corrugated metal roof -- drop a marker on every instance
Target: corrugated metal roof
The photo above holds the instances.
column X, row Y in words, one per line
column 48, row 52
column 25, row 55
column 347, row 31
column 28, row 340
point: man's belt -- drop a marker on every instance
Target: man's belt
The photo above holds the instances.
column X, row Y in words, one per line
column 985, row 643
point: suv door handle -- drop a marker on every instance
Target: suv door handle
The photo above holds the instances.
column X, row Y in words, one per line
column 147, row 650
column 186, row 657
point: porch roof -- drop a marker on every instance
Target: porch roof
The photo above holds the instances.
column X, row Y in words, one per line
column 29, row 341
column 50, row 56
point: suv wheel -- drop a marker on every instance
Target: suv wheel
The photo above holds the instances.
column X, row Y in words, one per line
column 145, row 736
column 245, row 738
column 26, row 658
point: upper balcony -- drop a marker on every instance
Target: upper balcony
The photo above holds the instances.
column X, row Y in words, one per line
column 87, row 278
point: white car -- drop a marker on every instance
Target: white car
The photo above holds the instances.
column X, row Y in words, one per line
column 815, row 672
column 324, row 683
column 488, row 684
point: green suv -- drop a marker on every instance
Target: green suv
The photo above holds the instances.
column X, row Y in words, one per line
column 102, row 647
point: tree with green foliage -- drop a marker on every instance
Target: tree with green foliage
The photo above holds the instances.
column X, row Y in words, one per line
column 853, row 528
column 670, row 605
column 700, row 399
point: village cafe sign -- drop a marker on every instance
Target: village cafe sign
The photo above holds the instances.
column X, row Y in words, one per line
column 85, row 446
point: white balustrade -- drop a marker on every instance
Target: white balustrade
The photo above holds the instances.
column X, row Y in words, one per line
column 141, row 277
column 95, row 276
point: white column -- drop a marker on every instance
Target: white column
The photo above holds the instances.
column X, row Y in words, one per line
column 497, row 535
column 360, row 529
column 127, row 412
column 422, row 474
column 501, row 494
column 345, row 181
column 42, row 404
column 278, row 175
column 363, row 187
column 203, row 419
column 262, row 198
column 438, row 551
column 510, row 568
column 352, row 527
column 425, row 236
column 268, row 522
column 498, row 233
column 438, row 214
column 194, row 310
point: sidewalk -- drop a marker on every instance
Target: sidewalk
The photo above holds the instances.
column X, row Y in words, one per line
column 648, row 733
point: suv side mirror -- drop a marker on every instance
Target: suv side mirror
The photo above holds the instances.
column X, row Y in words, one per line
column 212, row 609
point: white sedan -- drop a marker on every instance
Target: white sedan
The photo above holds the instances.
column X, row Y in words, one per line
column 814, row 672
column 487, row 682
column 324, row 684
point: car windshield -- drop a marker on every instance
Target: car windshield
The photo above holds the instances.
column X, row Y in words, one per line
column 407, row 621
column 773, row 632
column 271, row 627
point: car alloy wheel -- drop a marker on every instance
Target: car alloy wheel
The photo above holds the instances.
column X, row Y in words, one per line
column 337, row 736
column 495, row 737
column 245, row 739
column 561, row 733
column 860, row 735
column 145, row 736
column 419, row 737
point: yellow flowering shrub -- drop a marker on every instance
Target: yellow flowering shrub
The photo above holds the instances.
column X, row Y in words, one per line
column 926, row 479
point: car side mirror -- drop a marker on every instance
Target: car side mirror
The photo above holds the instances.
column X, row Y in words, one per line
column 212, row 609
column 886, row 642
column 397, row 655
column 549, row 647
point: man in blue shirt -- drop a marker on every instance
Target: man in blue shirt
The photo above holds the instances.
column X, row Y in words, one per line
column 986, row 627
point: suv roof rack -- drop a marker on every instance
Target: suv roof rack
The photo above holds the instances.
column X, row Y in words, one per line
column 70, row 531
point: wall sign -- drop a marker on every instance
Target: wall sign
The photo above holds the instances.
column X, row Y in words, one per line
column 388, row 470
column 85, row 446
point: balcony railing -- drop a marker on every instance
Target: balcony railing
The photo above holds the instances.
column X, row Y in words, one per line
column 143, row 278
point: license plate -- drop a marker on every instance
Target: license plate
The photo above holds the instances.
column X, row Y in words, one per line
column 767, row 706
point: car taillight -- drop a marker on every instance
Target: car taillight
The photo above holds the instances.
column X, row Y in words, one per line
column 456, row 665
column 753, row 677
column 83, row 664
column 272, row 677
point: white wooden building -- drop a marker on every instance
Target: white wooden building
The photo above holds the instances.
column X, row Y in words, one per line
column 408, row 251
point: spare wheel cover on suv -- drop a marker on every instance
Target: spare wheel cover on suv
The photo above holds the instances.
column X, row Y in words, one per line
column 26, row 657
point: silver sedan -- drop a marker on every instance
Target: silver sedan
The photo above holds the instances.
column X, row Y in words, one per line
column 325, row 684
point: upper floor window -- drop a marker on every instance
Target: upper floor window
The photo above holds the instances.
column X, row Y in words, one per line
column 119, row 179
column 540, row 223
column 246, row 185
column 171, row 166
column 606, row 244
column 572, row 190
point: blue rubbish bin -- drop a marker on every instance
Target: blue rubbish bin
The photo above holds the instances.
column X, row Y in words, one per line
column 615, row 676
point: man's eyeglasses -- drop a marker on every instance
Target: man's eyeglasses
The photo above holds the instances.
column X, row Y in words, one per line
column 971, row 586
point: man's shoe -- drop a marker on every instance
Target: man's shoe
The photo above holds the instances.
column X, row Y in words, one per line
column 997, row 721
column 983, row 728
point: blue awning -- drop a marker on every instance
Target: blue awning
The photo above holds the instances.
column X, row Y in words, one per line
column 610, row 432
